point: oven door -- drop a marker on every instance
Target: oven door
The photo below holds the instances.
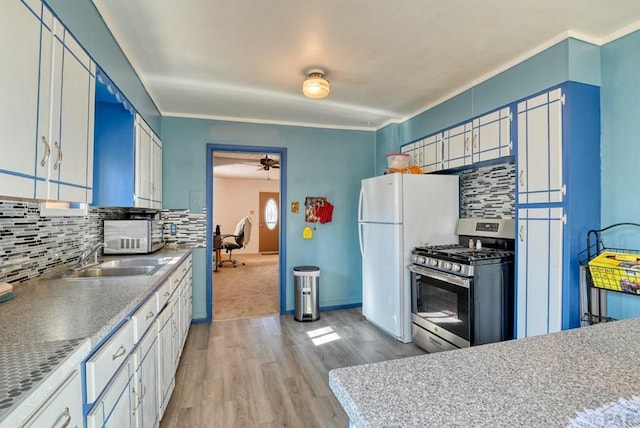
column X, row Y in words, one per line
column 440, row 304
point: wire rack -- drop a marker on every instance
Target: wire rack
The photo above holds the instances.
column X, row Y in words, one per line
column 609, row 269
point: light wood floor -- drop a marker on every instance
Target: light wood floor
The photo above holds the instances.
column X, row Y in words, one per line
column 246, row 291
column 267, row 372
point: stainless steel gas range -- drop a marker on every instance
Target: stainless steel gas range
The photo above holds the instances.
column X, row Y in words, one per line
column 462, row 294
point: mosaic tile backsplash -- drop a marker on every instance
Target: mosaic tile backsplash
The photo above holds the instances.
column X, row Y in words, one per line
column 488, row 192
column 31, row 245
column 190, row 228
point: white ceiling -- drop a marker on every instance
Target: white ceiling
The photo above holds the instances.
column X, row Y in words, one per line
column 386, row 60
column 244, row 166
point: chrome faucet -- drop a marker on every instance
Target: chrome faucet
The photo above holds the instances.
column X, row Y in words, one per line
column 87, row 254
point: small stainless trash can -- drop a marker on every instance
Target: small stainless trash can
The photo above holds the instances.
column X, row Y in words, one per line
column 306, row 280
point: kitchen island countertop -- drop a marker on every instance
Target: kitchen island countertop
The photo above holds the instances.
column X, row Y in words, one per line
column 539, row 381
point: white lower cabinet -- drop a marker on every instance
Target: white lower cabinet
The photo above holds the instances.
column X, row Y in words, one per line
column 145, row 388
column 539, row 275
column 176, row 331
column 115, row 406
column 103, row 363
column 187, row 304
column 165, row 356
column 130, row 378
column 63, row 408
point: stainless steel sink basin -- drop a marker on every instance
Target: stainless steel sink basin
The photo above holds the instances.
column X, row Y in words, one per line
column 144, row 261
column 118, row 267
column 102, row 272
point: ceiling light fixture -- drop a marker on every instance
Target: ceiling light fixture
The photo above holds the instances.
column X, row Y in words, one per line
column 316, row 85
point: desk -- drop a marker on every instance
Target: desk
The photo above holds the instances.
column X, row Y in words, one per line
column 217, row 247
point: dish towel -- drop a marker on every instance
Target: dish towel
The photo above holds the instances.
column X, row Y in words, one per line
column 620, row 414
column 6, row 292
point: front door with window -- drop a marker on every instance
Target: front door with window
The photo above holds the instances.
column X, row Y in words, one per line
column 269, row 222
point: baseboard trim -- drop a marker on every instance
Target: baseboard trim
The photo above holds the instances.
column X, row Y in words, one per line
column 328, row 308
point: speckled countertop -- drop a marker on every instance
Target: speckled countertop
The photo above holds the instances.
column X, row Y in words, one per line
column 536, row 382
column 55, row 319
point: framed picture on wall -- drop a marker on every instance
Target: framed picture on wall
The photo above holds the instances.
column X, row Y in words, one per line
column 310, row 205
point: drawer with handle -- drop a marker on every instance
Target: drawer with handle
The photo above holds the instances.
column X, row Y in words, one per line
column 101, row 367
column 144, row 317
column 63, row 408
column 163, row 293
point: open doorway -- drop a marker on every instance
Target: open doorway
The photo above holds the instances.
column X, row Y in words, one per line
column 246, row 268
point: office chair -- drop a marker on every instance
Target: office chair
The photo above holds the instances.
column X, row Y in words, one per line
column 239, row 239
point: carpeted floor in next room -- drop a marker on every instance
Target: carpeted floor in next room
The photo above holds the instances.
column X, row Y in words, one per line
column 248, row 291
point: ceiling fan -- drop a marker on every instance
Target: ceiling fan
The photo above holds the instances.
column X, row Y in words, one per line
column 266, row 163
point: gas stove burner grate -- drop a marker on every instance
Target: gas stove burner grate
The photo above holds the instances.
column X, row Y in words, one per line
column 456, row 252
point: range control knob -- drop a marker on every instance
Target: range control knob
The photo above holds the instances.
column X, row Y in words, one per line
column 433, row 262
column 456, row 267
column 420, row 260
column 448, row 266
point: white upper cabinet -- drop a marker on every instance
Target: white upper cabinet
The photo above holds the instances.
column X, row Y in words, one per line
column 540, row 149
column 148, row 176
column 19, row 88
column 156, row 182
column 491, row 135
column 144, row 153
column 47, row 120
column 128, row 159
column 429, row 153
column 484, row 138
column 457, row 146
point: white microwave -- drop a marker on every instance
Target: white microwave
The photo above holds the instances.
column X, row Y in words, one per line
column 139, row 236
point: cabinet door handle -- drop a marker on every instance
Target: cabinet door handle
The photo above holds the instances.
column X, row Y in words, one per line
column 466, row 144
column 144, row 389
column 65, row 418
column 521, row 234
column 47, row 152
column 521, row 178
column 57, row 146
column 149, row 315
column 136, row 399
column 475, row 141
column 119, row 353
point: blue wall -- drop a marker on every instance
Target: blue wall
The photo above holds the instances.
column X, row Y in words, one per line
column 320, row 162
column 87, row 26
column 620, row 152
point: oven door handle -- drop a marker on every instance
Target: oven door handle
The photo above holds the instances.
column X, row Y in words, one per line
column 441, row 276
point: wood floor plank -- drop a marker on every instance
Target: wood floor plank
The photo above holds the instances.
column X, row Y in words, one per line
column 272, row 371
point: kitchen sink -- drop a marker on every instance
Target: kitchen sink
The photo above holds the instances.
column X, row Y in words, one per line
column 102, row 272
column 143, row 261
column 118, row 267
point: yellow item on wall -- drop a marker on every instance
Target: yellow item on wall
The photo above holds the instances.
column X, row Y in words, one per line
column 307, row 233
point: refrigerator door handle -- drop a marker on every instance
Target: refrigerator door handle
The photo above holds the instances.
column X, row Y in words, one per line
column 360, row 203
column 360, row 226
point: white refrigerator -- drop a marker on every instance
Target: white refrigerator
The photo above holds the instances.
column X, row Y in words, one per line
column 396, row 213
